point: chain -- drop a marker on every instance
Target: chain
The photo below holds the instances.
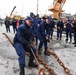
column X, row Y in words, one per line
column 60, row 62
column 50, row 70
column 40, row 69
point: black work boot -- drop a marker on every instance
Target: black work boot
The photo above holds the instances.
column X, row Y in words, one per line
column 60, row 38
column 46, row 52
column 32, row 64
column 22, row 72
column 66, row 40
column 39, row 51
column 75, row 45
column 57, row 38
column 70, row 40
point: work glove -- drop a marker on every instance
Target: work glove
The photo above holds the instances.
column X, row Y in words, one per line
column 47, row 38
column 32, row 42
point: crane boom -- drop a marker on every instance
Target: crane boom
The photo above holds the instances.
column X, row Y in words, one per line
column 57, row 8
column 12, row 11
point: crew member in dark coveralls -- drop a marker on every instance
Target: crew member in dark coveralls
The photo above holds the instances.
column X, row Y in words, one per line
column 22, row 43
column 7, row 24
column 60, row 26
column 34, row 24
column 74, row 24
column 69, row 30
column 43, row 35
column 52, row 26
column 20, row 21
column 14, row 25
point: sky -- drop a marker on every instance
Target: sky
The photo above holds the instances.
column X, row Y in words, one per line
column 24, row 7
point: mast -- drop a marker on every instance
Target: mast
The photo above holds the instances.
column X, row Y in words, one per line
column 22, row 10
column 37, row 6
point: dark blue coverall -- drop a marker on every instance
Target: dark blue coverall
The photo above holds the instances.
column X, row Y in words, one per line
column 51, row 26
column 74, row 24
column 34, row 26
column 60, row 26
column 20, row 22
column 21, row 40
column 14, row 25
column 68, row 30
column 42, row 32
column 7, row 25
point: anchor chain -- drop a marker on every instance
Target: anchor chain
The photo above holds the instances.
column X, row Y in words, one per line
column 60, row 62
column 41, row 69
column 51, row 71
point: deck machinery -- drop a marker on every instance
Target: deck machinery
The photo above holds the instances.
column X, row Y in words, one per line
column 57, row 8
